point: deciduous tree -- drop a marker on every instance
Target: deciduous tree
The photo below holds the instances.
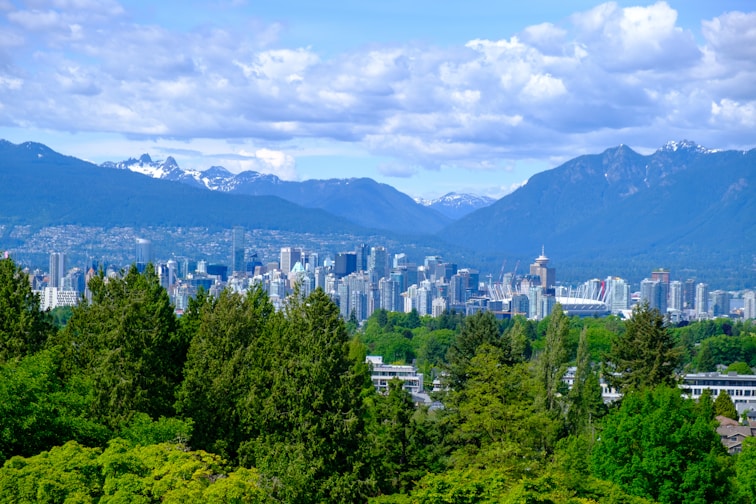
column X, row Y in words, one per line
column 585, row 404
column 551, row 362
column 659, row 445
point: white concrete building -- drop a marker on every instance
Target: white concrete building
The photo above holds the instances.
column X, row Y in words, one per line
column 381, row 374
column 741, row 388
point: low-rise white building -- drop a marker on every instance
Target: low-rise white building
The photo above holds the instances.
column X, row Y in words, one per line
column 381, row 374
column 52, row 297
column 741, row 388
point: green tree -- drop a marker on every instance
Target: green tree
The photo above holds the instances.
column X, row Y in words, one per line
column 706, row 404
column 498, row 423
column 477, row 330
column 645, row 356
column 585, row 404
column 60, row 315
column 745, row 472
column 723, row 406
column 227, row 362
column 740, row 368
column 551, row 362
column 126, row 473
column 24, row 327
column 705, row 362
column 126, row 342
column 307, row 433
column 515, row 343
column 393, row 438
column 39, row 410
column 658, row 445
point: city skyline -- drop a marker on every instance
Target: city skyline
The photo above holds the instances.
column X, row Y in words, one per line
column 388, row 281
column 429, row 98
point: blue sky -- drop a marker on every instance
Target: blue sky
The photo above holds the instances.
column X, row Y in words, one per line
column 429, row 97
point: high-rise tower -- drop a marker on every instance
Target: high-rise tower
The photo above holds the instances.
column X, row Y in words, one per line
column 749, row 305
column 377, row 263
column 237, row 250
column 57, row 269
column 289, row 257
column 702, row 300
column 143, row 253
column 675, row 295
column 540, row 268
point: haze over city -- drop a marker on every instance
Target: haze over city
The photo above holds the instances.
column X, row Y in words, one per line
column 428, row 97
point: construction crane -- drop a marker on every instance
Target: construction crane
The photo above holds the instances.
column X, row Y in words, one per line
column 514, row 275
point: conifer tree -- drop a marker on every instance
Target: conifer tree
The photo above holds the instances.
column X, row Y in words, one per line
column 24, row 327
column 125, row 340
column 723, row 406
column 306, row 433
column 228, row 361
column 478, row 329
column 645, row 355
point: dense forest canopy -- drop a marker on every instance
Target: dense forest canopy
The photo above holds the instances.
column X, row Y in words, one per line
column 120, row 400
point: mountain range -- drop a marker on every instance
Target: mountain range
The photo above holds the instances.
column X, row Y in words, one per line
column 362, row 200
column 40, row 187
column 683, row 206
column 618, row 212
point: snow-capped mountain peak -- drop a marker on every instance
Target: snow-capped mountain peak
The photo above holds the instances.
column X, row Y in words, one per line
column 684, row 145
column 456, row 205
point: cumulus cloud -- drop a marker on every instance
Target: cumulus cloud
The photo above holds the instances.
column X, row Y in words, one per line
column 605, row 76
column 733, row 36
column 262, row 160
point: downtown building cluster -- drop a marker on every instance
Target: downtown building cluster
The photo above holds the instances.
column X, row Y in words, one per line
column 368, row 278
column 691, row 300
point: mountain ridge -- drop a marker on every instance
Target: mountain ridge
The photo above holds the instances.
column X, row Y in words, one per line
column 612, row 213
column 677, row 204
column 360, row 199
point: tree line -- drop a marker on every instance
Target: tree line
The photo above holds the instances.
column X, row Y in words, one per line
column 122, row 401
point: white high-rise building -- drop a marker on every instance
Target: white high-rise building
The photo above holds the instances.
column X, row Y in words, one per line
column 439, row 306
column 377, row 263
column 675, row 295
column 391, row 299
column 749, row 305
column 617, row 294
column 289, row 257
column 143, row 253
column 57, row 269
column 702, row 300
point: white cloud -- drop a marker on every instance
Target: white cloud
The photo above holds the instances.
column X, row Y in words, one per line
column 545, row 37
column 728, row 112
column 733, row 36
column 636, row 38
column 264, row 160
column 606, row 76
column 543, row 87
